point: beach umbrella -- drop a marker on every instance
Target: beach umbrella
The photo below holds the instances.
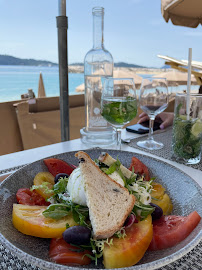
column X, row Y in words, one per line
column 182, row 12
column 94, row 81
column 41, row 89
column 118, row 73
column 62, row 26
column 80, row 88
column 175, row 78
column 127, row 73
column 186, row 13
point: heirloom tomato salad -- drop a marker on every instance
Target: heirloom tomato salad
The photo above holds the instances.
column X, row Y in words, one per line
column 55, row 207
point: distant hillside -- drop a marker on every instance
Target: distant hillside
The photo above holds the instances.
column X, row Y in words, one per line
column 76, row 64
column 11, row 60
column 119, row 64
column 123, row 64
column 166, row 66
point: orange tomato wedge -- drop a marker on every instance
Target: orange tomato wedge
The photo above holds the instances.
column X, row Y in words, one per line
column 128, row 251
column 29, row 220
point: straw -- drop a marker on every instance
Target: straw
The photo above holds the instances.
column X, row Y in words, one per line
column 189, row 83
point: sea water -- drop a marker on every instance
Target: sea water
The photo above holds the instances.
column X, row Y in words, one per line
column 16, row 80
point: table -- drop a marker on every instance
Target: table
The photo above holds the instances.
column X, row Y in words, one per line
column 11, row 162
column 14, row 160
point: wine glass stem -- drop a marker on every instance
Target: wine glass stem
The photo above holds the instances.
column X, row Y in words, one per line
column 151, row 128
column 118, row 138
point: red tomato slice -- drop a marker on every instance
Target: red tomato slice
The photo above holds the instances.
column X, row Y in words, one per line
column 64, row 253
column 170, row 230
column 56, row 166
column 27, row 197
column 139, row 168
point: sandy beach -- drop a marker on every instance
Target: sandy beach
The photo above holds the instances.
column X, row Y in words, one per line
column 80, row 69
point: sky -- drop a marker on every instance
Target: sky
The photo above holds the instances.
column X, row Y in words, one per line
column 134, row 31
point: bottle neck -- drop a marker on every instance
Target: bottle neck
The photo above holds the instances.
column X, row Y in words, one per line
column 98, row 28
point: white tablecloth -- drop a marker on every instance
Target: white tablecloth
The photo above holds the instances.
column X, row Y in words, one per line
column 27, row 156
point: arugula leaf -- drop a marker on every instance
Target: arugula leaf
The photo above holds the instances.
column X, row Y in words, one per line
column 57, row 211
column 116, row 167
column 142, row 210
column 60, row 186
column 64, row 206
column 132, row 178
column 111, row 169
column 80, row 217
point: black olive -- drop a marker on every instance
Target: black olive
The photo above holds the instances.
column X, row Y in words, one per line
column 158, row 212
column 77, row 235
column 57, row 177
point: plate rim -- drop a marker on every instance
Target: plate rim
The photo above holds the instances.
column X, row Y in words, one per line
column 30, row 259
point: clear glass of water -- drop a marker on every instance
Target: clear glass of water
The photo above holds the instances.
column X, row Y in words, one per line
column 153, row 100
column 118, row 103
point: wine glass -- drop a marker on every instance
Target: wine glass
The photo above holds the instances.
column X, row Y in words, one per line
column 153, row 100
column 118, row 103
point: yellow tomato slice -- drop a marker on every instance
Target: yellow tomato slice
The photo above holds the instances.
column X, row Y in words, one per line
column 161, row 198
column 165, row 203
column 30, row 220
column 44, row 178
column 157, row 190
column 128, row 251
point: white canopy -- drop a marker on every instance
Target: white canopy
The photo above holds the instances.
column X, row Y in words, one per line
column 181, row 65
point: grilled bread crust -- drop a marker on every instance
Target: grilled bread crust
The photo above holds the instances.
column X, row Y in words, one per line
column 109, row 203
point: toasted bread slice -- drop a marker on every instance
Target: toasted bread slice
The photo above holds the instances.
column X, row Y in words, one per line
column 109, row 203
column 108, row 160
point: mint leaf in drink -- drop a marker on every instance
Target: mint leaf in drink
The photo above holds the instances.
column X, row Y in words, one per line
column 120, row 111
column 186, row 137
column 178, row 109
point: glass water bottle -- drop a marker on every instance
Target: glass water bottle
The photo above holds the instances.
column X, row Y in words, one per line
column 98, row 64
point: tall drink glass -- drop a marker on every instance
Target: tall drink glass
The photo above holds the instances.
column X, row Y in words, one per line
column 187, row 129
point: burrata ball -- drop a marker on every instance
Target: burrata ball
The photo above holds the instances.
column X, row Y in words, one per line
column 75, row 187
